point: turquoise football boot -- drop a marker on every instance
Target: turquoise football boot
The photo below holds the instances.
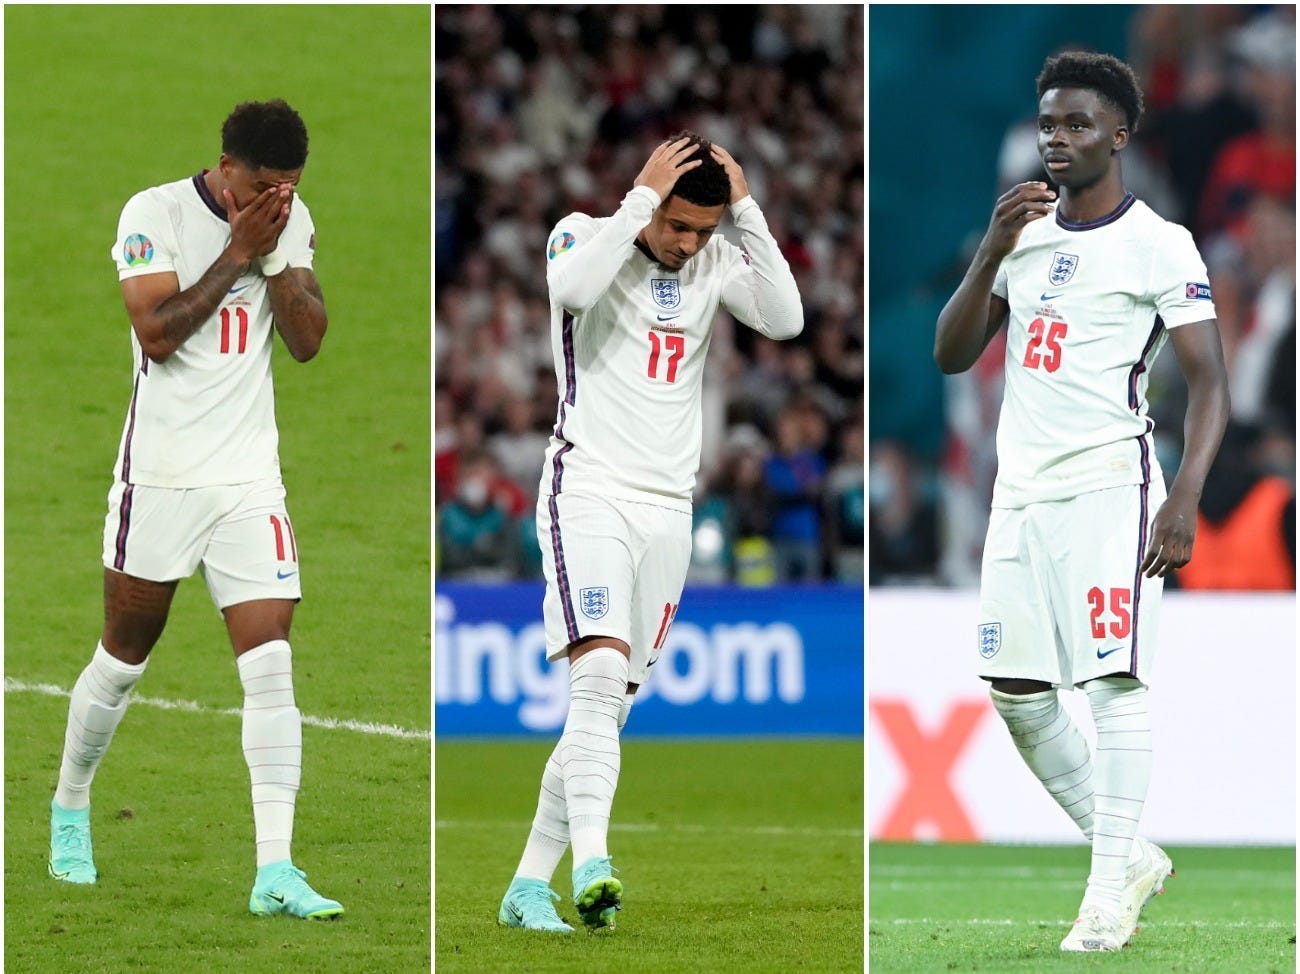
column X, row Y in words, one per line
column 528, row 904
column 596, row 893
column 71, row 857
column 282, row 888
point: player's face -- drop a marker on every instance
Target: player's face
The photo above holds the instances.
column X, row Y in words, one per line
column 1078, row 136
column 679, row 230
column 247, row 182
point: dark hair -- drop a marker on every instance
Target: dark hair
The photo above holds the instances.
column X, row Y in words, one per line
column 265, row 134
column 707, row 184
column 1108, row 76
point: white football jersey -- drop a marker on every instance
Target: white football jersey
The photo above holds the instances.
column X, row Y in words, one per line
column 1091, row 305
column 205, row 416
column 629, row 337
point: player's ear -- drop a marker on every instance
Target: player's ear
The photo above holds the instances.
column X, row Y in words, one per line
column 1121, row 139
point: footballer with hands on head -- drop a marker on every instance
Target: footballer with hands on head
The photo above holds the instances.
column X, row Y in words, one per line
column 633, row 298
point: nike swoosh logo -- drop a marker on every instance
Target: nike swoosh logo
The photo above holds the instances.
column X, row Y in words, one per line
column 275, row 898
column 1101, row 655
column 515, row 912
column 284, row 575
column 1049, row 297
column 669, row 318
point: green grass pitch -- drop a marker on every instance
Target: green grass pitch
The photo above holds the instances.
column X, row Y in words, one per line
column 737, row 856
column 101, row 102
column 1007, row 908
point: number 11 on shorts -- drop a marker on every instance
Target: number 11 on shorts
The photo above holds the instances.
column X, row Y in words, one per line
column 283, row 529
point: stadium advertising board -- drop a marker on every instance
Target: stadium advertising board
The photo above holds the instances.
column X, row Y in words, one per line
column 776, row 661
column 942, row 766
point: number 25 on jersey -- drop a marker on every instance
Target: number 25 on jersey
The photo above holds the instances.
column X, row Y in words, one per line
column 1041, row 333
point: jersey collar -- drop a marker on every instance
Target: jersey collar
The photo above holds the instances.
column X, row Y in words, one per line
column 1111, row 217
column 645, row 250
column 205, row 194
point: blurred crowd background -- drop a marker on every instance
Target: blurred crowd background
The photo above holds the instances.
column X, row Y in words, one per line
column 1215, row 152
column 545, row 110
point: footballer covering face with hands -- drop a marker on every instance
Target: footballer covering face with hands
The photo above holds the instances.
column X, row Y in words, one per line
column 1090, row 284
column 633, row 298
column 211, row 268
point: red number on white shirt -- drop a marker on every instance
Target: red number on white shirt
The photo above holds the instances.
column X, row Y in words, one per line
column 1120, row 599
column 280, row 535
column 242, row 317
column 676, row 345
column 1041, row 333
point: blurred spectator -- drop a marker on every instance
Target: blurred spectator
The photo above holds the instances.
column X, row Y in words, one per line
column 477, row 537
column 794, row 475
column 903, row 521
column 544, row 110
column 1245, row 528
column 846, row 507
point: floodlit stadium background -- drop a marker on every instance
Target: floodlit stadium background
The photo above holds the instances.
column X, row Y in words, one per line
column 540, row 111
column 951, row 109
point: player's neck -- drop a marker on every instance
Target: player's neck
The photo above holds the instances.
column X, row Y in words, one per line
column 216, row 184
column 1088, row 203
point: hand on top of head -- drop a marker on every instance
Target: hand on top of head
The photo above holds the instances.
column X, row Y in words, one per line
column 666, row 164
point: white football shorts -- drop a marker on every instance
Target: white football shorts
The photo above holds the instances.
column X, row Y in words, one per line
column 1061, row 596
column 613, row 568
column 239, row 536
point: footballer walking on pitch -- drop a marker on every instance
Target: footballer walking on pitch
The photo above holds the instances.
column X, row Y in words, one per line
column 1082, row 534
column 208, row 266
column 633, row 297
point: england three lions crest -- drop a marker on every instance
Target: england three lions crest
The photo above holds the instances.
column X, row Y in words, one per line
column 594, row 602
column 990, row 639
column 1063, row 268
column 667, row 293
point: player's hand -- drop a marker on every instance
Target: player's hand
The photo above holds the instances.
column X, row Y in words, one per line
column 1172, row 533
column 1018, row 206
column 665, row 164
column 256, row 229
column 739, row 188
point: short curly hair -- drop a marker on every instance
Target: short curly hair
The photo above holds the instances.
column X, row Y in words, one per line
column 1108, row 76
column 265, row 134
column 707, row 184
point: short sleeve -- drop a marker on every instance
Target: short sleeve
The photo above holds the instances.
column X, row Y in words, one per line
column 1000, row 281
column 146, row 238
column 1180, row 284
column 298, row 241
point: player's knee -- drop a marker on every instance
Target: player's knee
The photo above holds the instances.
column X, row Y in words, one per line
column 1020, row 687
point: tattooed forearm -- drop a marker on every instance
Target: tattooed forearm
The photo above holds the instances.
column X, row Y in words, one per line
column 299, row 310
column 184, row 313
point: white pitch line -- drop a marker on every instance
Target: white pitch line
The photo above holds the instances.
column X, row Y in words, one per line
column 189, row 706
column 975, row 921
column 700, row 829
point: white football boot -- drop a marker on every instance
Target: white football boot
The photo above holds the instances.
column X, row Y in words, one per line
column 1148, row 868
column 1096, row 930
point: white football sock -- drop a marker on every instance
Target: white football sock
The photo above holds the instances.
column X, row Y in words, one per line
column 1123, row 773
column 1053, row 747
column 99, row 699
column 550, row 833
column 272, row 739
column 589, row 750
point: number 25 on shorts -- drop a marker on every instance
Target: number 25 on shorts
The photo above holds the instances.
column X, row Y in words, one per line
column 1120, row 599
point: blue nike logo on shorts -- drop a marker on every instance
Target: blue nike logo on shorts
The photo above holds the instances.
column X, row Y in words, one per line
column 1101, row 655
column 284, row 575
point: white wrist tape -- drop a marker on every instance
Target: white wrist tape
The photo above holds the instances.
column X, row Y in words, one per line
column 274, row 263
